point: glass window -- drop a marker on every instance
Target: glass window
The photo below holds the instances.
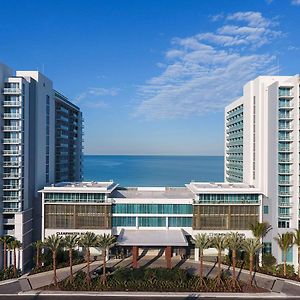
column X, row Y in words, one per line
column 266, row 209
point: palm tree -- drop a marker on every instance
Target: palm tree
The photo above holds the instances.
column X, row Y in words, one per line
column 5, row 240
column 70, row 242
column 285, row 242
column 234, row 242
column 202, row 241
column 259, row 231
column 14, row 245
column 89, row 239
column 38, row 246
column 297, row 242
column 105, row 242
column 53, row 243
column 219, row 242
column 251, row 246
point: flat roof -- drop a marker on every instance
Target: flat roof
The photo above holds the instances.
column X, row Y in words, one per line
column 163, row 237
column 221, row 187
column 81, row 187
column 152, row 193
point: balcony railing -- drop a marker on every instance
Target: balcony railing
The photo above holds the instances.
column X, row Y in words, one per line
column 12, row 103
column 12, row 128
column 285, row 204
column 12, row 187
column 12, row 116
column 12, row 175
column 12, row 91
column 285, row 193
column 12, row 141
column 285, row 149
column 12, row 164
column 285, row 160
column 12, row 152
column 285, row 116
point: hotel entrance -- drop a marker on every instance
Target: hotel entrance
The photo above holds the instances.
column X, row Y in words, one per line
column 157, row 243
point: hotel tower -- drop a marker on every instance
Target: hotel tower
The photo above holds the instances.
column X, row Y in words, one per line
column 262, row 150
column 40, row 143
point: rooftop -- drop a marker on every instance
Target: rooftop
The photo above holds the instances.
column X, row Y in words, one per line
column 92, row 186
column 206, row 187
column 152, row 193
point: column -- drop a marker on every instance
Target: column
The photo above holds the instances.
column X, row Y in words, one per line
column 197, row 252
column 135, row 251
column 168, row 255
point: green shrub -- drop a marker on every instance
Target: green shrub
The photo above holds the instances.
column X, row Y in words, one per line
column 289, row 270
column 9, row 273
column 268, row 263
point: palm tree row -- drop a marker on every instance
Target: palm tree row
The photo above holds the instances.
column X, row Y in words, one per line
column 233, row 241
column 10, row 244
column 70, row 242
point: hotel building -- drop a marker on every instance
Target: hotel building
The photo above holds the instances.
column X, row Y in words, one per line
column 30, row 143
column 262, row 149
column 261, row 184
column 147, row 216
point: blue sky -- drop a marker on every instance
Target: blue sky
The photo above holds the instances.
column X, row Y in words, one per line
column 152, row 77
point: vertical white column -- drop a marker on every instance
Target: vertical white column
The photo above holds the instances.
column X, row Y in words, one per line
column 197, row 252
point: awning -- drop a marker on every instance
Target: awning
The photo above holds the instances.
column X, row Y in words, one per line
column 148, row 238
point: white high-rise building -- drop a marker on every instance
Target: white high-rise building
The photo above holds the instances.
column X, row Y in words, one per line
column 262, row 149
column 28, row 152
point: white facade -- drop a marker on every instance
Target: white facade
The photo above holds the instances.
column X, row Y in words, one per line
column 268, row 120
column 27, row 158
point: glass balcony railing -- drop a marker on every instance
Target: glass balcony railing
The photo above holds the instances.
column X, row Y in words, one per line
column 12, row 141
column 11, row 187
column 12, row 116
column 12, row 164
column 12, row 91
column 12, row 152
column 11, row 175
column 12, row 128
column 12, row 103
column 285, row 116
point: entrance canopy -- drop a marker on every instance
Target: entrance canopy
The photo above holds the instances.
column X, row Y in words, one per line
column 152, row 238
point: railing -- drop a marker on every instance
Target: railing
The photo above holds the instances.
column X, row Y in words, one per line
column 12, row 103
column 11, row 164
column 12, row 175
column 12, row 116
column 12, row 141
column 6, row 209
column 11, row 198
column 288, row 182
column 12, row 91
column 285, row 193
column 285, row 160
column 12, row 187
column 285, row 149
column 12, row 152
column 285, row 204
column 12, row 128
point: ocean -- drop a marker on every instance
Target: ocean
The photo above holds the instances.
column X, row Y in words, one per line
column 147, row 170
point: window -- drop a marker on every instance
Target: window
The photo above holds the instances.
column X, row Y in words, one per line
column 267, row 248
column 283, row 224
column 266, row 209
column 289, row 255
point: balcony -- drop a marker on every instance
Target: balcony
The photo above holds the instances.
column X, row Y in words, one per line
column 285, row 182
column 11, row 152
column 285, row 116
column 284, row 171
column 285, row 149
column 12, row 141
column 11, row 198
column 285, row 127
column 13, row 187
column 285, row 138
column 10, row 210
column 285, row 160
column 11, row 116
column 285, row 215
column 285, row 204
column 12, row 128
column 12, row 91
column 12, row 175
column 285, row 193
column 12, row 164
column 8, row 221
column 12, row 103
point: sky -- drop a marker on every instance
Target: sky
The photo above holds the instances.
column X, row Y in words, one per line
column 152, row 77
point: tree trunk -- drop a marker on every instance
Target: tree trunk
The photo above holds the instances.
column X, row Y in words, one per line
column 250, row 268
column 71, row 264
column 88, row 276
column 233, row 264
column 4, row 257
column 54, row 267
column 104, row 262
column 299, row 262
column 219, row 266
column 37, row 257
column 201, row 264
column 15, row 263
column 284, row 263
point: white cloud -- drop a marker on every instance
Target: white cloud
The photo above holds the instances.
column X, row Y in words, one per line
column 204, row 72
column 295, row 2
column 92, row 97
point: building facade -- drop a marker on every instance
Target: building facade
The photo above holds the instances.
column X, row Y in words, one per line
column 262, row 149
column 104, row 207
column 28, row 154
